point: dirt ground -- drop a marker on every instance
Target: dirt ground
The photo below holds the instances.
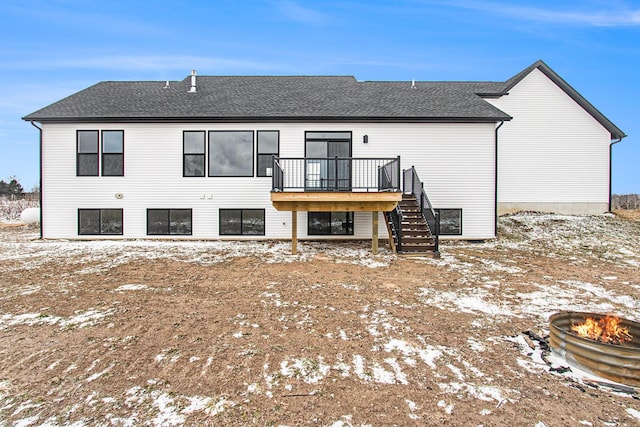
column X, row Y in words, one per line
column 213, row 333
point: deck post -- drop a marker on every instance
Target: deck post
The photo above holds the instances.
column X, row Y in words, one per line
column 374, row 239
column 294, row 232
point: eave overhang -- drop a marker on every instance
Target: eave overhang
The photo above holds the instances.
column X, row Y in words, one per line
column 255, row 119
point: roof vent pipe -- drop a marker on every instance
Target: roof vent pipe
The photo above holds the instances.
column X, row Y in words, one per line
column 193, row 82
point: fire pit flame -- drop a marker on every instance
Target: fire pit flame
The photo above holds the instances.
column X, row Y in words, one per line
column 607, row 330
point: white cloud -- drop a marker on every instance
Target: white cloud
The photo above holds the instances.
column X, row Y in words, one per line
column 182, row 63
column 581, row 14
column 295, row 12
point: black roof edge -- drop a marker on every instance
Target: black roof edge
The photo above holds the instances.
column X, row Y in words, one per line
column 241, row 119
column 615, row 131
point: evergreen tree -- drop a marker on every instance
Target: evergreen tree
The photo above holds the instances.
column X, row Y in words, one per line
column 11, row 189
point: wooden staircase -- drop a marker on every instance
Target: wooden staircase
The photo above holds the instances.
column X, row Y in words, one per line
column 415, row 237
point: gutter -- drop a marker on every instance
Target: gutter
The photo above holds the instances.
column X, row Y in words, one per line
column 271, row 119
column 495, row 181
column 611, row 169
column 41, row 189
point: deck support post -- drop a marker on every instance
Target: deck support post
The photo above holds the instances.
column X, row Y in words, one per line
column 294, row 232
column 374, row 239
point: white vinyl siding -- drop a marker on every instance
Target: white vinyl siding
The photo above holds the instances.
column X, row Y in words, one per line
column 553, row 152
column 455, row 161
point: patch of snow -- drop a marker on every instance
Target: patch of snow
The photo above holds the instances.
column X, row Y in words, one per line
column 465, row 300
column 574, row 295
column 447, row 408
column 99, row 374
column 634, row 413
column 381, row 375
column 24, row 406
column 167, row 411
column 310, row 371
column 412, row 408
column 29, row 289
column 80, row 320
column 400, row 376
column 27, row 421
column 131, row 287
column 476, row 345
column 482, row 392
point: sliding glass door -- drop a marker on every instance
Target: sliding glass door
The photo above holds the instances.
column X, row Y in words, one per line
column 328, row 164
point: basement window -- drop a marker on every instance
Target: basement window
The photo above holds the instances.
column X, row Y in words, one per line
column 169, row 222
column 241, row 222
column 330, row 223
column 99, row 222
column 450, row 222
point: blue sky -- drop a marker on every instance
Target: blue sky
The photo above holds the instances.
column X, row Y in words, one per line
column 51, row 49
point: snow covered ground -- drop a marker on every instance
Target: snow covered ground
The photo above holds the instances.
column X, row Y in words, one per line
column 428, row 340
column 10, row 210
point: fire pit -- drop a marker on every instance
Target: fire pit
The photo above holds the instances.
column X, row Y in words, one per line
column 617, row 360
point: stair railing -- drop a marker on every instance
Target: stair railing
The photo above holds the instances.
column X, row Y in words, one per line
column 413, row 185
column 396, row 222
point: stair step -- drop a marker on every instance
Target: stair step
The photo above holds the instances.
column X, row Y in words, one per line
column 416, row 237
column 422, row 250
column 410, row 229
column 421, row 241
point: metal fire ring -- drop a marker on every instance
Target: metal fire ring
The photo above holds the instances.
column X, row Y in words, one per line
column 619, row 363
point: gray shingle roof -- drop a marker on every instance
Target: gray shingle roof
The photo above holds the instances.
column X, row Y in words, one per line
column 295, row 98
column 272, row 98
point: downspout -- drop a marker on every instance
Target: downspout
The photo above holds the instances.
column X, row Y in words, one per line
column 41, row 189
column 495, row 181
column 611, row 169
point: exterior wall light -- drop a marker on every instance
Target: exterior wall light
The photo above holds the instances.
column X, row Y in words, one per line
column 365, row 139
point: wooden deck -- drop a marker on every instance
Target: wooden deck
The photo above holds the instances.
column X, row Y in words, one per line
column 327, row 201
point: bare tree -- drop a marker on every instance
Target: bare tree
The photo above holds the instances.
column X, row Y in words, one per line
column 625, row 201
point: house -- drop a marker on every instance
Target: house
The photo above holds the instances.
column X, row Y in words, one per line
column 213, row 157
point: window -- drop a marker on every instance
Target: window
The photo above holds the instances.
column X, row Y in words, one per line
column 194, row 153
column 112, row 153
column 100, row 221
column 236, row 222
column 230, row 153
column 330, row 223
column 268, row 146
column 87, row 153
column 450, row 222
column 169, row 221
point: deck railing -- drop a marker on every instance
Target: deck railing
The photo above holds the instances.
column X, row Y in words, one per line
column 413, row 185
column 345, row 174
